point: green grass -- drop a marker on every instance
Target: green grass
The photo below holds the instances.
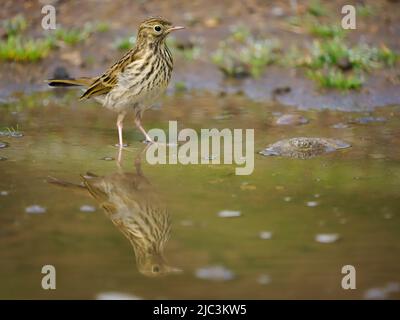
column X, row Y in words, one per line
column 326, row 30
column 334, row 79
column 243, row 55
column 15, row 25
column 72, row 36
column 15, row 48
column 190, row 50
column 102, row 27
column 125, row 43
column 364, row 10
column 316, row 9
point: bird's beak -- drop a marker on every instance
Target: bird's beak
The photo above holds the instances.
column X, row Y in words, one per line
column 175, row 28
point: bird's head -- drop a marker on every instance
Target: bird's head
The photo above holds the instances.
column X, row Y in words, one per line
column 155, row 266
column 156, row 29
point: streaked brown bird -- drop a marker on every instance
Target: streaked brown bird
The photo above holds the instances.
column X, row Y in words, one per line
column 137, row 79
column 134, row 207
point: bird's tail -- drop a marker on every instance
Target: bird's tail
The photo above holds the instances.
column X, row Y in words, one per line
column 70, row 82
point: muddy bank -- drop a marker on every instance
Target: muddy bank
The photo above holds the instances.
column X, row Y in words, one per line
column 209, row 22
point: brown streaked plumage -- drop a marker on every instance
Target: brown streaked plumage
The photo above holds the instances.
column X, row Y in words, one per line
column 137, row 79
column 135, row 209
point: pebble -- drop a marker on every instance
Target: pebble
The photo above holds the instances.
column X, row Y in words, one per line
column 87, row 208
column 340, row 125
column 327, row 237
column 265, row 235
column 4, row 193
column 35, row 209
column 116, row 296
column 312, row 203
column 264, row 279
column 291, row 119
column 229, row 214
column 215, row 273
column 107, row 158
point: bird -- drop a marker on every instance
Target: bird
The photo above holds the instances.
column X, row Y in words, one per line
column 134, row 207
column 136, row 80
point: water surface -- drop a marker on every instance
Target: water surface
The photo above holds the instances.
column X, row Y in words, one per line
column 353, row 193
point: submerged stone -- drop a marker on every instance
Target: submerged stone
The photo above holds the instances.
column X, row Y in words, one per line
column 291, row 120
column 304, row 147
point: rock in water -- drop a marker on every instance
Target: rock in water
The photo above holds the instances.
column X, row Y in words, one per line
column 304, row 147
column 291, row 120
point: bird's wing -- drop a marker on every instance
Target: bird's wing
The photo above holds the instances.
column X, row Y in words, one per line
column 108, row 80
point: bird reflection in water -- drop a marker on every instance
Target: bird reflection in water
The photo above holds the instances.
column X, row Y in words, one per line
column 132, row 204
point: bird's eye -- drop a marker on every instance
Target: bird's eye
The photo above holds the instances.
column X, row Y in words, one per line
column 157, row 28
column 156, row 269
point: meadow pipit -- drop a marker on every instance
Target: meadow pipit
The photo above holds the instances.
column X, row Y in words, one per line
column 137, row 79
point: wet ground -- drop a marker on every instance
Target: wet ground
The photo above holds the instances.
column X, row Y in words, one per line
column 299, row 223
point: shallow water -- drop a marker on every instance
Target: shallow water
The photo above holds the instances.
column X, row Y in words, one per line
column 353, row 193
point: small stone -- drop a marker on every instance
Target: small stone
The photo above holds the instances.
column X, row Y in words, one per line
column 340, row 125
column 35, row 209
column 214, row 273
column 212, row 22
column 4, row 193
column 375, row 294
column 264, row 279
column 229, row 214
column 87, row 208
column 265, row 235
column 187, row 223
column 116, row 296
column 107, row 158
column 327, row 237
column 287, row 199
column 291, row 119
column 312, row 203
column 277, row 11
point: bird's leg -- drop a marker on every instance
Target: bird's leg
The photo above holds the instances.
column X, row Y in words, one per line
column 139, row 126
column 120, row 125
